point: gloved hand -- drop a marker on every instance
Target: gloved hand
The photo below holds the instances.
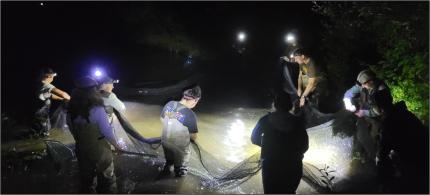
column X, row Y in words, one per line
column 359, row 113
column 348, row 105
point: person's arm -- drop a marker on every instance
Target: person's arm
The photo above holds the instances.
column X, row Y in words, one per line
column 163, row 111
column 312, row 84
column 352, row 92
column 190, row 121
column 347, row 97
column 58, row 94
column 257, row 133
column 56, row 97
column 98, row 115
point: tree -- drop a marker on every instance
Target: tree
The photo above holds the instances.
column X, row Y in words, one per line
column 389, row 37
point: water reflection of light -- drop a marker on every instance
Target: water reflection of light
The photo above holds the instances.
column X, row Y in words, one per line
column 236, row 140
column 326, row 149
column 320, row 155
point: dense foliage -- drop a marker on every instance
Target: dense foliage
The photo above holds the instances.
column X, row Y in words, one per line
column 391, row 38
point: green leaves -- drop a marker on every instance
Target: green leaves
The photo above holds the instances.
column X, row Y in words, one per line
column 400, row 46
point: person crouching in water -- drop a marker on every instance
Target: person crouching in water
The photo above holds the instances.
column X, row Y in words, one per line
column 283, row 140
column 93, row 134
column 179, row 128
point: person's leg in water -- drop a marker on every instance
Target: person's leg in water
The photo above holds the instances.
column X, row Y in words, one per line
column 365, row 139
column 169, row 155
column 106, row 180
column 41, row 123
column 87, row 172
column 182, row 158
column 281, row 178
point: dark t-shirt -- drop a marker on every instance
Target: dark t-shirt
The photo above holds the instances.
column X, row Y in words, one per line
column 310, row 69
column 185, row 115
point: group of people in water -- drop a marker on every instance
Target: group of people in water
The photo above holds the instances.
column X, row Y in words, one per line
column 391, row 136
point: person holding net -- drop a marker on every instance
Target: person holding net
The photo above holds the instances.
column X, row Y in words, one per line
column 283, row 140
column 94, row 136
column 179, row 129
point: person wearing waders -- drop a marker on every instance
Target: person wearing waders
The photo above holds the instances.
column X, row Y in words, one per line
column 283, row 140
column 45, row 92
column 94, row 136
column 402, row 158
column 312, row 82
column 110, row 100
column 368, row 112
column 179, row 129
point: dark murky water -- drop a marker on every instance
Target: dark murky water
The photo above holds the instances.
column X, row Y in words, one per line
column 224, row 134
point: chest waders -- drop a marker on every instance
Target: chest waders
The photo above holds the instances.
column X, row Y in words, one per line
column 176, row 140
column 368, row 128
column 95, row 159
column 41, row 121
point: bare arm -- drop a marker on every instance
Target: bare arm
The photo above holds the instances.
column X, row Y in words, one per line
column 56, row 97
column 58, row 94
column 312, row 84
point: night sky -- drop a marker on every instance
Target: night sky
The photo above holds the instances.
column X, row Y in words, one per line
column 72, row 37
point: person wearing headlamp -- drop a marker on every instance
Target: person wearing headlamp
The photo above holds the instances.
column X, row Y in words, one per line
column 367, row 111
column 312, row 82
column 179, row 129
column 110, row 100
column 46, row 92
column 94, row 137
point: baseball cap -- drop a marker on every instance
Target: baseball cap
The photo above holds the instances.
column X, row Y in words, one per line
column 365, row 76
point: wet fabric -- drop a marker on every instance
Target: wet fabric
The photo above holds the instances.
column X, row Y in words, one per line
column 288, row 84
column 111, row 101
column 176, row 136
column 93, row 151
column 59, row 117
column 183, row 114
column 41, row 123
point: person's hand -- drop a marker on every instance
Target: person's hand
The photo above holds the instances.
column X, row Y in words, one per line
column 359, row 113
column 302, row 101
column 285, row 58
column 66, row 96
column 299, row 92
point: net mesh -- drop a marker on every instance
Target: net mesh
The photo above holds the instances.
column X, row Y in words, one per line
column 214, row 175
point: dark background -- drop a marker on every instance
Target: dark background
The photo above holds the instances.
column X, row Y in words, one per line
column 73, row 37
